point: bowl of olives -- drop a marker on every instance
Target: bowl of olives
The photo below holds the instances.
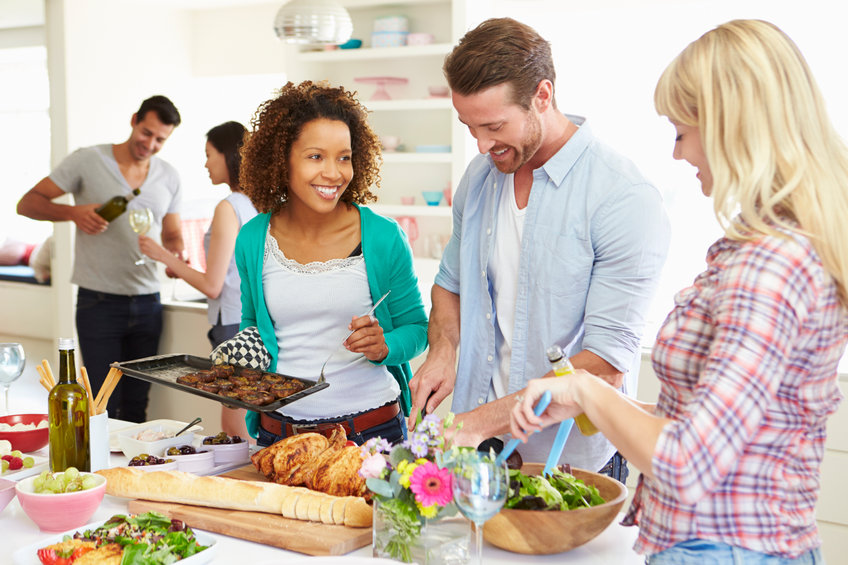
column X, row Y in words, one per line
column 191, row 460
column 61, row 501
column 147, row 462
column 228, row 450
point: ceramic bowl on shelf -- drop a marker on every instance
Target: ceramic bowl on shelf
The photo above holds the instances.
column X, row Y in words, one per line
column 351, row 44
column 432, row 197
column 169, row 465
column 26, row 440
column 390, row 143
column 544, row 532
column 438, row 91
column 388, row 39
column 419, row 38
column 61, row 511
column 432, row 148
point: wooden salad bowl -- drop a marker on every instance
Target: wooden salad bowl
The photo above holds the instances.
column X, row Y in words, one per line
column 543, row 532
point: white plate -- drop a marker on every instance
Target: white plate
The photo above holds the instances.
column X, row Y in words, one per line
column 39, row 465
column 28, row 555
column 115, row 427
column 328, row 560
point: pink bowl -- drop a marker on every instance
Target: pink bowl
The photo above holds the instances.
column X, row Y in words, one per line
column 7, row 492
column 60, row 512
column 27, row 440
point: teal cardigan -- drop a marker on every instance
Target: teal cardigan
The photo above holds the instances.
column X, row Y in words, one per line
column 388, row 264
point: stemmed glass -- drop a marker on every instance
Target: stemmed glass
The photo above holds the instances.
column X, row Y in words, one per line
column 140, row 221
column 12, row 362
column 480, row 487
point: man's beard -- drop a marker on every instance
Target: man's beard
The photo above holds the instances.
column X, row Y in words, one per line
column 529, row 145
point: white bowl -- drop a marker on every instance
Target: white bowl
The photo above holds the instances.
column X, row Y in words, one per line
column 132, row 447
column 229, row 453
column 197, row 463
column 170, row 466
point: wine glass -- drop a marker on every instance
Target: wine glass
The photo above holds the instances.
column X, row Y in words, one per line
column 140, row 221
column 12, row 362
column 480, row 487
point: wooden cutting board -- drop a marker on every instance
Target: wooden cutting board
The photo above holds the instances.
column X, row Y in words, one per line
column 311, row 538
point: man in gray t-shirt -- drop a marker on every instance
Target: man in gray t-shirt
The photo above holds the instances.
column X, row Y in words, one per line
column 119, row 314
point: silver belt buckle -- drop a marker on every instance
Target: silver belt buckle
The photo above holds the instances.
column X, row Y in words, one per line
column 298, row 428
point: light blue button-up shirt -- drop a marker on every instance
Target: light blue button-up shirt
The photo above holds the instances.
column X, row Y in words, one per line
column 594, row 242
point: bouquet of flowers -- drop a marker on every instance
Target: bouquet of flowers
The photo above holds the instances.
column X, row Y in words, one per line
column 411, row 482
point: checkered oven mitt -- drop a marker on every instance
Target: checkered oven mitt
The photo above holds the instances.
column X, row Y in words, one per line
column 245, row 349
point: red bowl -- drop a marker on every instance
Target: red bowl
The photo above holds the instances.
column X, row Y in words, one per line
column 26, row 440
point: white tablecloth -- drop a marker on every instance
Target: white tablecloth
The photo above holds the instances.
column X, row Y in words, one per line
column 614, row 545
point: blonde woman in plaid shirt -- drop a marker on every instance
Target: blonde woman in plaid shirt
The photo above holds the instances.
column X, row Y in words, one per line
column 730, row 455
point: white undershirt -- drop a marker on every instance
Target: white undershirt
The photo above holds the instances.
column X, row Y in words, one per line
column 311, row 306
column 503, row 273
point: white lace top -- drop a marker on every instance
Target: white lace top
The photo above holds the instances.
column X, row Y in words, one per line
column 311, row 306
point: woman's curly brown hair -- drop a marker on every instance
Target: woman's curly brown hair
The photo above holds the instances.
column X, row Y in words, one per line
column 277, row 124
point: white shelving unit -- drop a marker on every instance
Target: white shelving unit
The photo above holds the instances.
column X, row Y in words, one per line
column 411, row 114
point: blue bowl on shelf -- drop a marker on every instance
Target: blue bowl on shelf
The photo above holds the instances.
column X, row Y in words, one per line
column 432, row 197
column 351, row 44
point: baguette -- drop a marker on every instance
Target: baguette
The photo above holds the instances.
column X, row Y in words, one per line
column 222, row 492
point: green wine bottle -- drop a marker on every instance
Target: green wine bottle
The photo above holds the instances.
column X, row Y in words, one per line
column 116, row 206
column 67, row 414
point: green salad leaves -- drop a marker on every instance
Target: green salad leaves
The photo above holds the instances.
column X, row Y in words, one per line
column 559, row 491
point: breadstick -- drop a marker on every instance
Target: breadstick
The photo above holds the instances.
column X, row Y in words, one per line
column 42, row 376
column 102, row 390
column 87, row 384
column 108, row 387
column 47, row 371
column 45, row 384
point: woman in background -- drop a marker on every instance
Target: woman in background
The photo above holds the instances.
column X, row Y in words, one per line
column 313, row 261
column 220, row 282
column 747, row 360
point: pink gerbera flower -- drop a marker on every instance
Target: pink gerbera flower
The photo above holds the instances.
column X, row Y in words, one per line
column 431, row 485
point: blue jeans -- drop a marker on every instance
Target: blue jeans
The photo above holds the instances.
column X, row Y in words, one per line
column 113, row 327
column 704, row 552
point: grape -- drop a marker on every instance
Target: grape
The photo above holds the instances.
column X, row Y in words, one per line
column 70, row 474
column 4, row 465
column 16, row 453
column 55, row 483
column 29, row 462
column 88, row 481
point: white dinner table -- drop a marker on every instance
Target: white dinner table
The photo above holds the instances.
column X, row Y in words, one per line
column 613, row 545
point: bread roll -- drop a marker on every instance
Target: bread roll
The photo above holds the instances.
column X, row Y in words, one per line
column 235, row 494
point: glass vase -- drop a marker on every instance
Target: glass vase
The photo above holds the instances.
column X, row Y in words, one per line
column 443, row 541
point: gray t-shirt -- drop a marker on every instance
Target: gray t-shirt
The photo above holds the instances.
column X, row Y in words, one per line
column 228, row 302
column 106, row 262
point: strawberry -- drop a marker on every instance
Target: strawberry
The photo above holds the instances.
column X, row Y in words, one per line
column 6, row 457
column 15, row 463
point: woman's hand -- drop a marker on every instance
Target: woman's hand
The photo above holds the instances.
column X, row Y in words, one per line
column 367, row 338
column 152, row 249
column 564, row 403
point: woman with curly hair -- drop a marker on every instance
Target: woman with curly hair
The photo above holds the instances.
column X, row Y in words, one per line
column 314, row 260
column 731, row 453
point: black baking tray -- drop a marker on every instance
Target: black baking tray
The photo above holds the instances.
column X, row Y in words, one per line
column 164, row 369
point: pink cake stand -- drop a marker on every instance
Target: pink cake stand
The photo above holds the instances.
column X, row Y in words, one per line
column 381, row 93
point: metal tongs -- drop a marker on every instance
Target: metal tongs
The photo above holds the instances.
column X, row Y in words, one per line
column 368, row 313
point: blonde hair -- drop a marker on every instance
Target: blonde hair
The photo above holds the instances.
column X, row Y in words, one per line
column 775, row 158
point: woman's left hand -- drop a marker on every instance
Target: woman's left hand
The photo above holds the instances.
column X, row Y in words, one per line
column 367, row 338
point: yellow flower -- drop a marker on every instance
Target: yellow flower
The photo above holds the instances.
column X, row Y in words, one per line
column 428, row 511
column 406, row 468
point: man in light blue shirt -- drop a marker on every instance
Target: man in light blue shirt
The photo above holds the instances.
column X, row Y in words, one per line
column 556, row 239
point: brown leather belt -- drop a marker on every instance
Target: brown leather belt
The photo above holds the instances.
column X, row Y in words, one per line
column 361, row 422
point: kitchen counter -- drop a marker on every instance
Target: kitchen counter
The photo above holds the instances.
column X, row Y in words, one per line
column 614, row 545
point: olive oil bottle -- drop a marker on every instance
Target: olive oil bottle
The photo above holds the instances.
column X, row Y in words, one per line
column 116, row 205
column 562, row 367
column 67, row 411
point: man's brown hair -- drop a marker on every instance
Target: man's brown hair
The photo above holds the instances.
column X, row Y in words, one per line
column 500, row 50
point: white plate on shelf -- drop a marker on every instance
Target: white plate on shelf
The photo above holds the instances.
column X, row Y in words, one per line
column 115, row 427
column 28, row 555
column 39, row 465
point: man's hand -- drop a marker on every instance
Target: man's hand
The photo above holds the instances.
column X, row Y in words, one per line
column 432, row 383
column 87, row 220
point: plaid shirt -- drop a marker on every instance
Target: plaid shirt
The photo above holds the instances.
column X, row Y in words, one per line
column 747, row 361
